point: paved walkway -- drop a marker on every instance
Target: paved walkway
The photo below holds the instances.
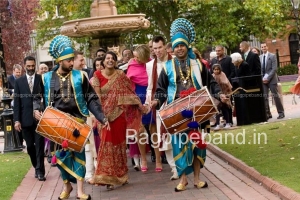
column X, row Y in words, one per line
column 288, row 78
column 225, row 182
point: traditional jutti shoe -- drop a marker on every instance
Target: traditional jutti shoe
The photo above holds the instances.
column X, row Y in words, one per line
column 90, row 181
column 201, row 184
column 125, row 183
column 84, row 197
column 180, row 187
column 175, row 175
column 65, row 195
column 110, row 187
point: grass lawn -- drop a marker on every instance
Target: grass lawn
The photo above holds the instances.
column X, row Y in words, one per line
column 276, row 155
column 286, row 86
column 13, row 166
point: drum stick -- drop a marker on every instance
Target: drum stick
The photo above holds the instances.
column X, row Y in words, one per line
column 235, row 91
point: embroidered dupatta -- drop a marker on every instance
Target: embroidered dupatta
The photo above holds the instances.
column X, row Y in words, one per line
column 117, row 97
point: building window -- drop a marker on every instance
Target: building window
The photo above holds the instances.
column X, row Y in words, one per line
column 294, row 46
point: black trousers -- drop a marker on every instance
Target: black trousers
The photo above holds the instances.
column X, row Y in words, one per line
column 20, row 137
column 35, row 148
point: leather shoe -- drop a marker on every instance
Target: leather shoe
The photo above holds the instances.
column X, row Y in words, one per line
column 164, row 160
column 35, row 175
column 153, row 158
column 41, row 178
column 49, row 159
column 280, row 116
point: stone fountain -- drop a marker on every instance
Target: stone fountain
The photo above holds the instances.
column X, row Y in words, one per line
column 105, row 25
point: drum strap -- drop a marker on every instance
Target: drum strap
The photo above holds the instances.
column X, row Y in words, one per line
column 52, row 85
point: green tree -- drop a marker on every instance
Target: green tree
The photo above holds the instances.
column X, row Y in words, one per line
column 48, row 27
column 228, row 22
column 16, row 25
column 161, row 14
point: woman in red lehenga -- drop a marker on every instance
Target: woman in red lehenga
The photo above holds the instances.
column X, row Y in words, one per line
column 124, row 111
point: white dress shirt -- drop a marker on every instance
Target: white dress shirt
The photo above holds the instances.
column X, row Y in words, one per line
column 27, row 76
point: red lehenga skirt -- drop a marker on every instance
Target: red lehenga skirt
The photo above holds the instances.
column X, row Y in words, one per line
column 112, row 158
column 296, row 88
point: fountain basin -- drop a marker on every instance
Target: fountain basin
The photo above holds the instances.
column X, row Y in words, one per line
column 98, row 27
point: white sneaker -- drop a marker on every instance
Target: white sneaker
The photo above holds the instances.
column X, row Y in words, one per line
column 217, row 128
column 227, row 126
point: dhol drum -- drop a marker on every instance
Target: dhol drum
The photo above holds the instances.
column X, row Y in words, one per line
column 58, row 126
column 200, row 102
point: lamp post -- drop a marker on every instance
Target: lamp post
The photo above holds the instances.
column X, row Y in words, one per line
column 295, row 4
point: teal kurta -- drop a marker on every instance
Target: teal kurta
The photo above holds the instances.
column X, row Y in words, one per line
column 71, row 165
column 183, row 149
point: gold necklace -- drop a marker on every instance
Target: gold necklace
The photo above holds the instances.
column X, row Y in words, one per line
column 62, row 79
column 182, row 78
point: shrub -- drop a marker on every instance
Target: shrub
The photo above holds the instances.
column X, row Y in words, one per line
column 287, row 70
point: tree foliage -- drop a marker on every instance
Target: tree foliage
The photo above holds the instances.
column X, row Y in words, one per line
column 161, row 14
column 48, row 25
column 225, row 22
column 16, row 25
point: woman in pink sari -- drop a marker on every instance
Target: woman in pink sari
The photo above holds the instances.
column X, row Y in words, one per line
column 124, row 111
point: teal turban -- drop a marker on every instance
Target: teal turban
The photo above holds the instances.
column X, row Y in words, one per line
column 183, row 32
column 61, row 48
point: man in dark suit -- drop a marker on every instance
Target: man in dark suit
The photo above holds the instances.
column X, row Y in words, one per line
column 26, row 87
column 251, row 58
column 270, row 80
column 17, row 69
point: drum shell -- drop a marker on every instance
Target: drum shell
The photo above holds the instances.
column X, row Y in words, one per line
column 200, row 102
column 58, row 126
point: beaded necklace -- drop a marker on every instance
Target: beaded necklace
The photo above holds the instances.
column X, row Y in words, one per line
column 183, row 79
column 62, row 79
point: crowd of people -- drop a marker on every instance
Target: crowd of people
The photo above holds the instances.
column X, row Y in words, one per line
column 115, row 96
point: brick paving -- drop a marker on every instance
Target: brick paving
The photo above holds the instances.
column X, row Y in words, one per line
column 224, row 182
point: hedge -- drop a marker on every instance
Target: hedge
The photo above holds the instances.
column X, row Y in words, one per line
column 287, row 70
